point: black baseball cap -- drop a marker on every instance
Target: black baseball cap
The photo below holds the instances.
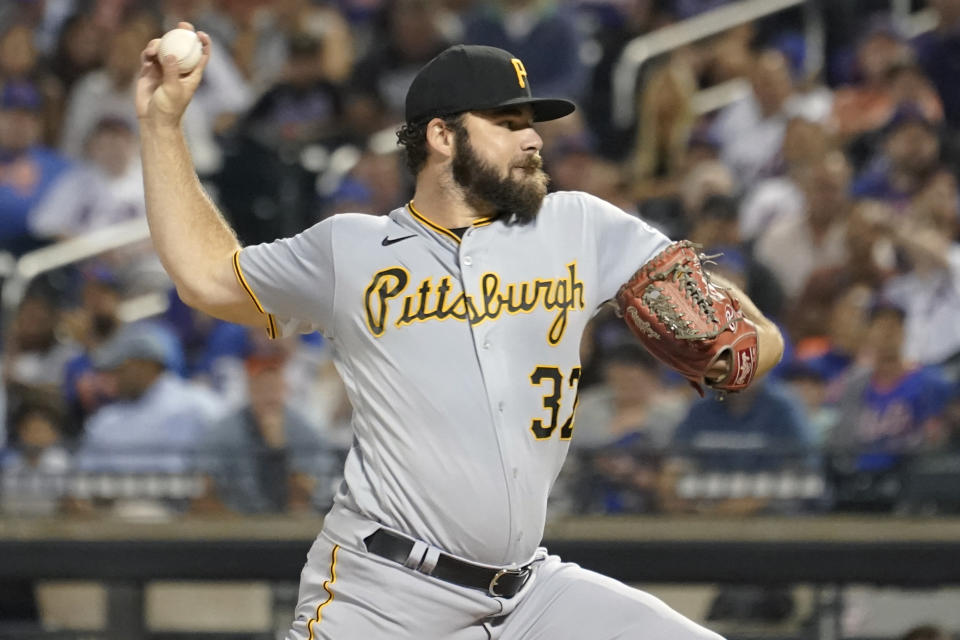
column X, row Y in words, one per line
column 473, row 78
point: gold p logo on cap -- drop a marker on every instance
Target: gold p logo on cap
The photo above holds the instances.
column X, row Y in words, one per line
column 521, row 72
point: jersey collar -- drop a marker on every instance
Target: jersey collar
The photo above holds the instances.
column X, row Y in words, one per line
column 419, row 217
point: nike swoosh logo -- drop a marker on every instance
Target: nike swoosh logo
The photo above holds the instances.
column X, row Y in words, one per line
column 387, row 240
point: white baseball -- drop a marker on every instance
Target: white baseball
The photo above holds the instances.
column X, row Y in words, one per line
column 184, row 45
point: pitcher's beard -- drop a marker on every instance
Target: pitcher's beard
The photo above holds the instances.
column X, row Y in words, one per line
column 485, row 188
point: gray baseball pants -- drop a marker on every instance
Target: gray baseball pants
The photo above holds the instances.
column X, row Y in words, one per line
column 349, row 594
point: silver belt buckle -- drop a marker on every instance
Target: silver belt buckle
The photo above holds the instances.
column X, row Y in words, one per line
column 496, row 578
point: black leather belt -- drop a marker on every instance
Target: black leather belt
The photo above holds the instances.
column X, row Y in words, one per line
column 500, row 583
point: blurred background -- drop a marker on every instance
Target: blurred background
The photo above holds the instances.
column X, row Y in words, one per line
column 162, row 473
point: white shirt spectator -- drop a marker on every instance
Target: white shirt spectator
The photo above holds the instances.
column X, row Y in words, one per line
column 750, row 144
column 223, row 89
column 95, row 97
column 789, row 250
column 770, row 201
column 932, row 304
column 87, row 198
column 154, row 433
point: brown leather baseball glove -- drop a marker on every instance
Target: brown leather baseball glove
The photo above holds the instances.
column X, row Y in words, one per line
column 687, row 322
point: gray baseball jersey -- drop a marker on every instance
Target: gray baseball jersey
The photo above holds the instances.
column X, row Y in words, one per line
column 460, row 356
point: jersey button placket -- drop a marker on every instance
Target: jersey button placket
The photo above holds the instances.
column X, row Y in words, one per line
column 484, row 344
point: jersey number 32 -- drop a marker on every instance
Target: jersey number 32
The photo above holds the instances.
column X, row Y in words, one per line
column 552, row 375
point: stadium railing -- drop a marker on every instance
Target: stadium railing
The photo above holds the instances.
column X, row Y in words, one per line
column 645, row 48
column 19, row 273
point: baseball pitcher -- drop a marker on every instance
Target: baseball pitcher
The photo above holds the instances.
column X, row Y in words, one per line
column 456, row 322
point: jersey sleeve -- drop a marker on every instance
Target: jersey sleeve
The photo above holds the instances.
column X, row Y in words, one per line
column 624, row 243
column 292, row 280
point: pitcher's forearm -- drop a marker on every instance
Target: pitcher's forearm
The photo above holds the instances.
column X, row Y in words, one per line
column 769, row 340
column 193, row 240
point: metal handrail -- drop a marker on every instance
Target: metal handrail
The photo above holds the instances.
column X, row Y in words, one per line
column 641, row 49
column 46, row 259
column 919, row 22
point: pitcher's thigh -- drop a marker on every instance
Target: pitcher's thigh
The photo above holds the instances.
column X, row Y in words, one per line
column 568, row 602
column 348, row 595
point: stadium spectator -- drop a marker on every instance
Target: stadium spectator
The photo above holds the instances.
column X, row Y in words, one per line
column 105, row 188
column 574, row 165
column 833, row 347
column 794, row 247
column 34, row 470
column 622, row 427
column 938, row 52
column 572, row 159
column 886, row 79
column 890, row 407
column 265, row 457
column 665, row 123
column 35, row 355
column 929, row 291
column 79, row 50
column 542, row 33
column 674, row 214
column 104, row 92
column 808, row 385
column 762, row 429
column 27, row 168
column 908, row 158
column 777, row 197
column 751, row 130
column 350, row 196
column 312, row 383
column 716, row 229
column 870, row 261
column 20, row 62
column 616, row 25
column 410, row 36
column 156, row 419
column 90, row 325
column 108, row 93
column 225, row 93
column 303, row 107
column 382, row 175
column 632, row 402
column 325, row 21
column 275, row 194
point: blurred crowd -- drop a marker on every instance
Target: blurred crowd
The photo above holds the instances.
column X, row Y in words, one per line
column 829, row 194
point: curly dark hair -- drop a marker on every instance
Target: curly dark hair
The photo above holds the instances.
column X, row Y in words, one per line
column 412, row 136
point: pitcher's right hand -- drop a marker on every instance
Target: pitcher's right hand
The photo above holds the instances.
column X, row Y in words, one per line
column 162, row 93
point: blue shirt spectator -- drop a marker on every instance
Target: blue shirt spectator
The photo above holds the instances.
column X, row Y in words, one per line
column 883, row 420
column 756, row 430
column 27, row 169
column 889, row 409
column 157, row 419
